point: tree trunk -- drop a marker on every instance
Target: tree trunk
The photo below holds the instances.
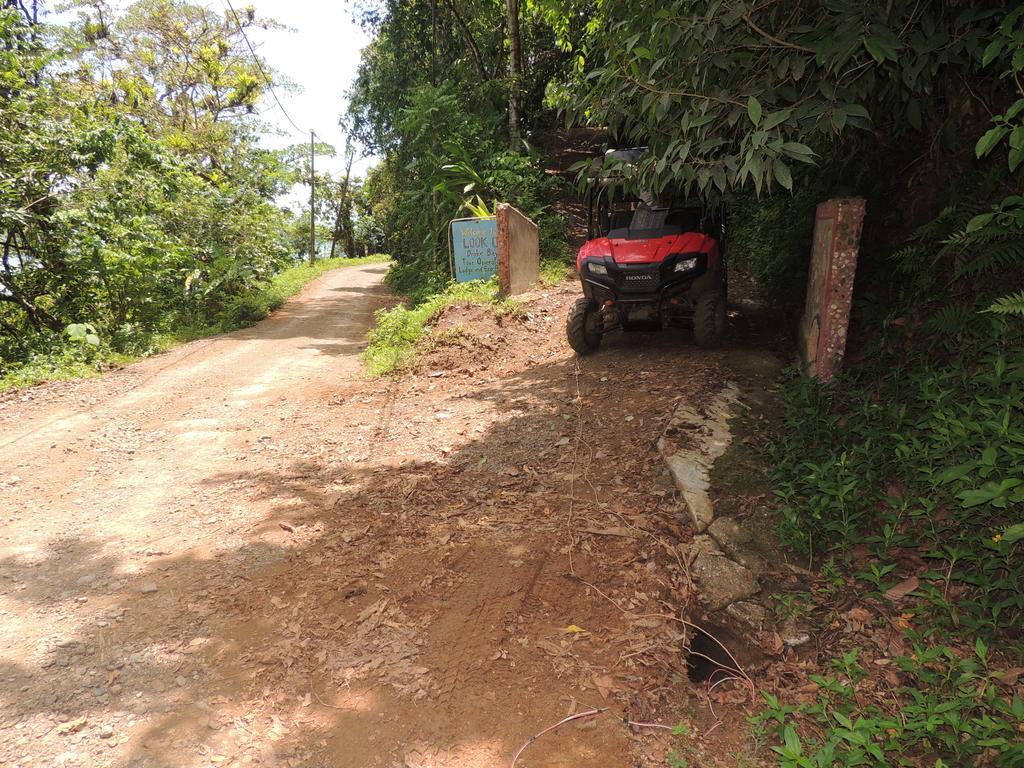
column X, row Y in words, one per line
column 312, row 198
column 342, row 220
column 350, row 239
column 36, row 315
column 433, row 42
column 467, row 36
column 9, row 293
column 515, row 71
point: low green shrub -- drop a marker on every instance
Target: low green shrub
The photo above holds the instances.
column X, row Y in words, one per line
column 74, row 356
column 398, row 331
column 553, row 270
column 927, row 458
column 951, row 710
column 768, row 238
column 909, row 464
column 451, row 163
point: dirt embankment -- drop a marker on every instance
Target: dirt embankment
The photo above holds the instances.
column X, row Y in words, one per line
column 246, row 553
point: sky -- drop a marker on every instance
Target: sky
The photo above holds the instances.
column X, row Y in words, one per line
column 318, row 50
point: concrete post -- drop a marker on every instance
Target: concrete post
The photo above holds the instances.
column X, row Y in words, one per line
column 518, row 252
column 826, row 317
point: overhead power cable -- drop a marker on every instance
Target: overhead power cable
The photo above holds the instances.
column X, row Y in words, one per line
column 259, row 65
column 312, row 133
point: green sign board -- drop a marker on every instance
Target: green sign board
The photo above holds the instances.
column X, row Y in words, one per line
column 474, row 248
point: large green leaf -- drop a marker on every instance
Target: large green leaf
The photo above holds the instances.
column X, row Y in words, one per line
column 990, row 139
column 1014, row 533
column 754, row 110
column 782, row 174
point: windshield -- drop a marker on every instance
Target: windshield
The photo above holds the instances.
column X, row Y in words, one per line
column 647, row 222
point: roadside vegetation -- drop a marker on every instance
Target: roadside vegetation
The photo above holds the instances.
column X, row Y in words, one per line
column 448, row 147
column 403, row 331
column 900, row 484
column 399, row 331
column 136, row 205
column 82, row 352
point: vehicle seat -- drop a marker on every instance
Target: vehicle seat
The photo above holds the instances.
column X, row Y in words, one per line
column 686, row 219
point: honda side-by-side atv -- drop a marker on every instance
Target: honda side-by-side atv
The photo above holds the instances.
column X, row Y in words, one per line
column 647, row 267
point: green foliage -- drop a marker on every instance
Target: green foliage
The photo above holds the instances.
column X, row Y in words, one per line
column 467, row 48
column 451, row 179
column 398, row 331
column 953, row 711
column 962, row 263
column 174, row 64
column 82, row 353
column 132, row 195
column 916, row 452
column 553, row 271
column 730, row 95
column 443, row 138
column 82, row 333
column 768, row 239
column 1006, row 52
column 60, row 362
column 873, row 461
column 1009, row 305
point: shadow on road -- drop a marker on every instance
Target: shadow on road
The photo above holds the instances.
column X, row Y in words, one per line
column 407, row 608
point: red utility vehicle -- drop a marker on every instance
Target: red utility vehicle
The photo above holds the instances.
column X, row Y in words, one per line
column 648, row 265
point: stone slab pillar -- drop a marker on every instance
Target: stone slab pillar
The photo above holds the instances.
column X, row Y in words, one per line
column 826, row 318
column 518, row 252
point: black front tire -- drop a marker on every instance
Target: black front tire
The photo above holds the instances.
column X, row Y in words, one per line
column 584, row 326
column 709, row 320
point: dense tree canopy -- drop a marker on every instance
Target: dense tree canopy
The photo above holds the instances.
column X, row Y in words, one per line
column 458, row 127
column 728, row 94
column 132, row 193
column 735, row 99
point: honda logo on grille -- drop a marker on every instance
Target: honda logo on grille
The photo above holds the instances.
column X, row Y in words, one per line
column 639, row 277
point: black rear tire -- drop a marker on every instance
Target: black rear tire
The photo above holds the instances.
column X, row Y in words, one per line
column 584, row 326
column 709, row 320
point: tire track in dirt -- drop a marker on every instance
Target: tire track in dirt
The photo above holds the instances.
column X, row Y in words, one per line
column 477, row 608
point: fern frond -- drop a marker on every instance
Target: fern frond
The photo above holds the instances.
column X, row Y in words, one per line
column 949, row 320
column 1009, row 305
column 908, row 259
column 998, row 254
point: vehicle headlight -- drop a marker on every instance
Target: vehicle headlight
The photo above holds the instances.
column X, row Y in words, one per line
column 685, row 265
column 597, row 269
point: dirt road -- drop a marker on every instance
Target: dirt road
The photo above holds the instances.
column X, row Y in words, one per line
column 244, row 552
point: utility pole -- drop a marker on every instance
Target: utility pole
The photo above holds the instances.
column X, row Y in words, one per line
column 312, row 199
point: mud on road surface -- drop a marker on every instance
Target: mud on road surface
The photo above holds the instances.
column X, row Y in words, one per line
column 245, row 552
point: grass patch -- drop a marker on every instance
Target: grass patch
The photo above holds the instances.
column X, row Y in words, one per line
column 553, row 272
column 63, row 359
column 286, row 284
column 61, row 365
column 395, row 339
